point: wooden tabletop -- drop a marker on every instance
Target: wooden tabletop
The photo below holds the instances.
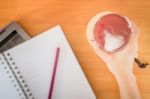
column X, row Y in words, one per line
column 73, row 15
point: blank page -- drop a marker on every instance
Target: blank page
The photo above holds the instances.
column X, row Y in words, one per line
column 35, row 58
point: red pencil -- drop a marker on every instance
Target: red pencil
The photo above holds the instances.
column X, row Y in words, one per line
column 54, row 73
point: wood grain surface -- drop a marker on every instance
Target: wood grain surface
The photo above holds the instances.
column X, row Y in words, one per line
column 37, row 16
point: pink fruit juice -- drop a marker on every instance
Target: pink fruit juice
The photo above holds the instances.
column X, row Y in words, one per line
column 112, row 32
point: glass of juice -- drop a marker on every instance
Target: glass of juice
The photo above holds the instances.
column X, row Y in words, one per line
column 109, row 31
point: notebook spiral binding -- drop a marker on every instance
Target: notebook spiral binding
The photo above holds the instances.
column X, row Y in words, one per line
column 19, row 77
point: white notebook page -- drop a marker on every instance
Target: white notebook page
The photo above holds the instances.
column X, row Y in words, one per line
column 35, row 59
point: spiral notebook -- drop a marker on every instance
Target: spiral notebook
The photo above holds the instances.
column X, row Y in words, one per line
column 26, row 70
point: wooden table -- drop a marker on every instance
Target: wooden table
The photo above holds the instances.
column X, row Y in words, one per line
column 73, row 15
